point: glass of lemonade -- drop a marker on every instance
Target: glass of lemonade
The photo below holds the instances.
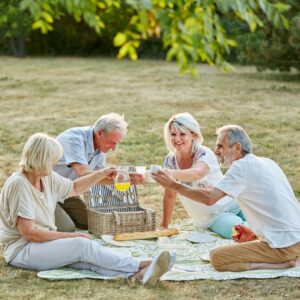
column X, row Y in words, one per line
column 122, row 180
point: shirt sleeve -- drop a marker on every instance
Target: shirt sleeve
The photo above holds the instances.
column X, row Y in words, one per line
column 208, row 157
column 61, row 186
column 233, row 183
column 74, row 149
column 20, row 202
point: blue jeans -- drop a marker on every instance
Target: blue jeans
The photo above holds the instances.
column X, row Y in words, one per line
column 224, row 223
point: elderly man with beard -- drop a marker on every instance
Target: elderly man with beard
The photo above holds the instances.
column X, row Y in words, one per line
column 265, row 197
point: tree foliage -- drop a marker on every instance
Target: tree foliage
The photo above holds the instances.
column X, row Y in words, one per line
column 190, row 30
column 15, row 25
column 270, row 47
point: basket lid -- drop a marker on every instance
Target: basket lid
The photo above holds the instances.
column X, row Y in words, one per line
column 106, row 196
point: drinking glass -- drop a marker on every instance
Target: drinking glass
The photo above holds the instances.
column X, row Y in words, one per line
column 122, row 180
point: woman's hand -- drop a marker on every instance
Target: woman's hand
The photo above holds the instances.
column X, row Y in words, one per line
column 109, row 173
column 244, row 234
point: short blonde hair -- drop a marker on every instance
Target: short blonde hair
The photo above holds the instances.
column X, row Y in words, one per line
column 40, row 153
column 183, row 122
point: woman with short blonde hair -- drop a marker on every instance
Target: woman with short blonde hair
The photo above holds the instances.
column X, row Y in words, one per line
column 27, row 227
column 40, row 153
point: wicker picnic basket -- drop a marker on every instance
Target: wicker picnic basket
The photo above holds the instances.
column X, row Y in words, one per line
column 111, row 212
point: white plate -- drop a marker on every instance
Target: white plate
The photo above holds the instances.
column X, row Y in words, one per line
column 199, row 237
column 109, row 239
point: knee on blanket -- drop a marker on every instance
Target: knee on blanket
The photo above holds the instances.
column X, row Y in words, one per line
column 222, row 261
column 217, row 259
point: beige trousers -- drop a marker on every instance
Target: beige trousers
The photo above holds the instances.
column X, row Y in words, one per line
column 238, row 257
column 70, row 214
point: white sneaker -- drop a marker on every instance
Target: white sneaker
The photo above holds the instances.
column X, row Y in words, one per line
column 172, row 260
column 157, row 268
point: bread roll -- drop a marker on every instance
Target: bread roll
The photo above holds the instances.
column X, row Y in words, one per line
column 145, row 235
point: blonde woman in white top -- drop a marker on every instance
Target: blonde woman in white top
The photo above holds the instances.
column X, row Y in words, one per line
column 27, row 224
column 196, row 165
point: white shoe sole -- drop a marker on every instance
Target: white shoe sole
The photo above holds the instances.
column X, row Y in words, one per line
column 172, row 260
column 157, row 268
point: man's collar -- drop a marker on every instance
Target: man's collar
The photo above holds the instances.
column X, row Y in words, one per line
column 90, row 142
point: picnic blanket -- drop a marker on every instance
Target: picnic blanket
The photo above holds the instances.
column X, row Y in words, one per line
column 188, row 266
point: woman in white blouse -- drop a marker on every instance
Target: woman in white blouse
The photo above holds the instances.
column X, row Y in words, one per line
column 196, row 165
column 27, row 226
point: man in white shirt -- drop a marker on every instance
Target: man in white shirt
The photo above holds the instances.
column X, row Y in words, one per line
column 85, row 151
column 266, row 199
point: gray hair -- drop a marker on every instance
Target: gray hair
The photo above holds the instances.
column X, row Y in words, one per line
column 40, row 153
column 111, row 122
column 183, row 122
column 236, row 135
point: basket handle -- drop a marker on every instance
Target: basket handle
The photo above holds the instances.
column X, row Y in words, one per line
column 117, row 218
column 148, row 217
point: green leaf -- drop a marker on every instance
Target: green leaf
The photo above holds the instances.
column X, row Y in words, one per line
column 47, row 17
column 132, row 53
column 281, row 7
column 120, row 39
column 101, row 5
column 123, row 51
column 172, row 52
column 37, row 24
column 231, row 42
column 252, row 26
column 262, row 5
column 285, row 22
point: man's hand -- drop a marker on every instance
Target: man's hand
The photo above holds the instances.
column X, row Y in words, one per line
column 244, row 234
column 164, row 179
column 136, row 178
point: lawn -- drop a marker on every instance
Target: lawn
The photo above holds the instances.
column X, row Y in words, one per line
column 52, row 94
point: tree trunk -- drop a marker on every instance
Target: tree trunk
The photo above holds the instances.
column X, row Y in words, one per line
column 17, row 45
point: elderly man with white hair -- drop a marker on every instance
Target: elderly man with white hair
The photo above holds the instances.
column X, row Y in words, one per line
column 265, row 197
column 85, row 151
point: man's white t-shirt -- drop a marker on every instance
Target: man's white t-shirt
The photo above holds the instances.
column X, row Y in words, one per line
column 201, row 214
column 266, row 199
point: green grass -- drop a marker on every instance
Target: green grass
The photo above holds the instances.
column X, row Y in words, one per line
column 52, row 94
